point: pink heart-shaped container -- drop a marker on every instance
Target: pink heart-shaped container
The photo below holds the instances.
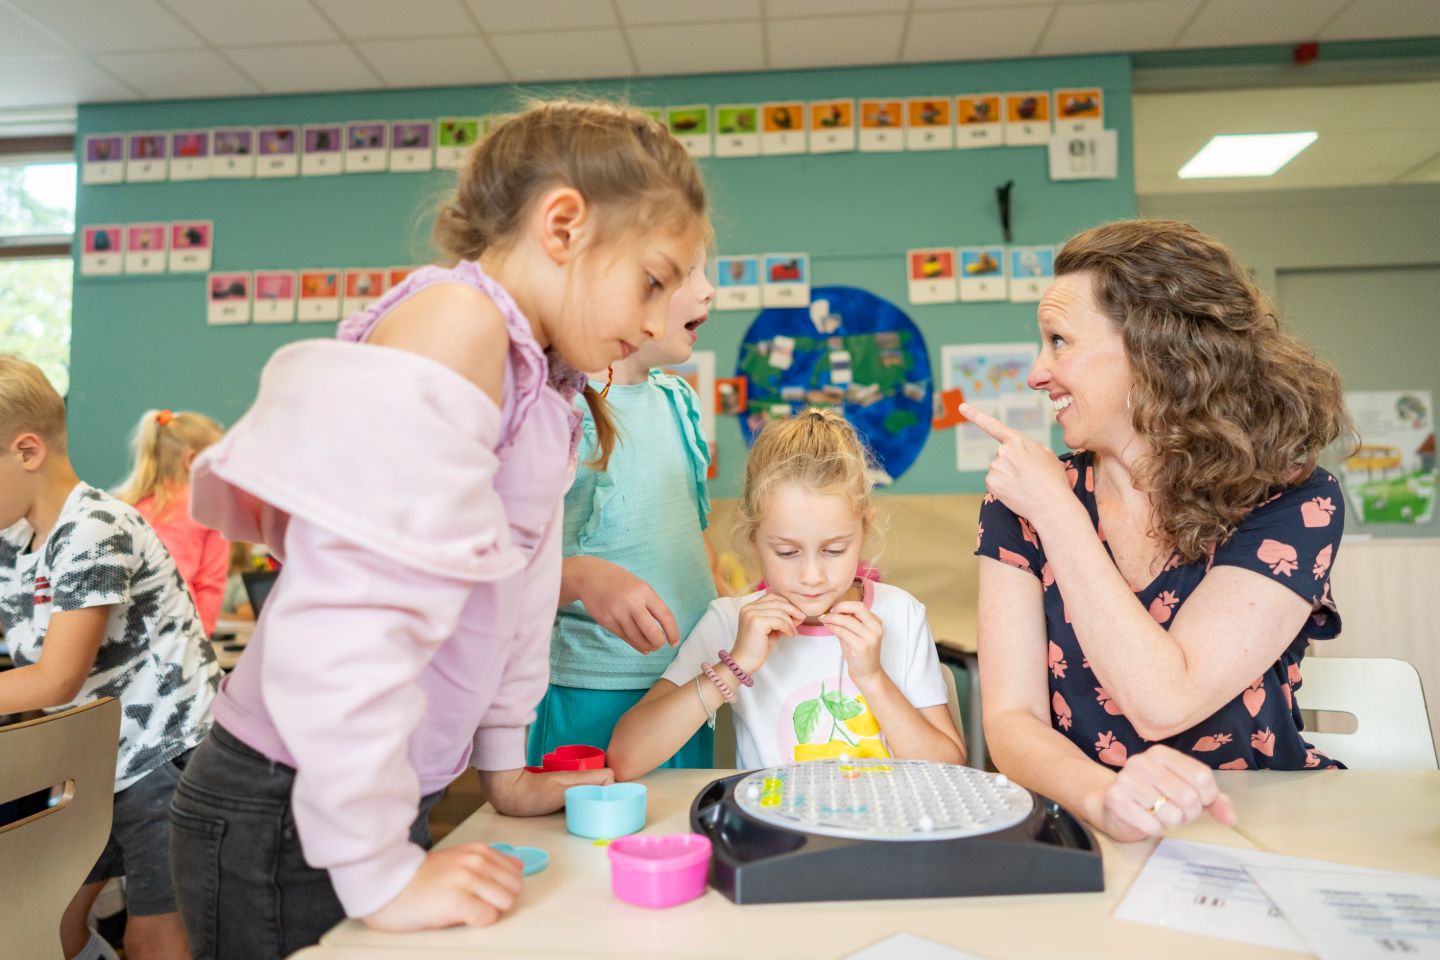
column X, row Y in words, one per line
column 659, row 871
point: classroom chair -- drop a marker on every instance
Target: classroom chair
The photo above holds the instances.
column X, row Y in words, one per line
column 1392, row 726
column 47, row 855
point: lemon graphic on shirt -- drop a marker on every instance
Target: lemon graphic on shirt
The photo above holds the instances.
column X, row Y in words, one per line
column 864, row 723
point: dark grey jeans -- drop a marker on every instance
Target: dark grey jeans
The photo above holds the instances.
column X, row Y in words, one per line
column 242, row 884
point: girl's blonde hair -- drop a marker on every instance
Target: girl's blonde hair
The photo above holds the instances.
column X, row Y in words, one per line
column 624, row 163
column 817, row 450
column 159, row 448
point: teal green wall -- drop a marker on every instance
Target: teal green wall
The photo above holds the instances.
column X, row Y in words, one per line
column 141, row 342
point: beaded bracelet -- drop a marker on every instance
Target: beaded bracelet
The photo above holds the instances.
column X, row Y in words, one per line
column 729, row 661
column 703, row 705
column 719, row 684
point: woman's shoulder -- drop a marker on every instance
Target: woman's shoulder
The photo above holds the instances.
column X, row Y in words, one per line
column 1316, row 501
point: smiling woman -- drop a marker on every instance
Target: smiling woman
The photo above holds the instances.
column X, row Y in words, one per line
column 1145, row 601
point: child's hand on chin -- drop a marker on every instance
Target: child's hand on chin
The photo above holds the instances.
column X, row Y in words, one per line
column 762, row 623
column 860, row 633
column 469, row 885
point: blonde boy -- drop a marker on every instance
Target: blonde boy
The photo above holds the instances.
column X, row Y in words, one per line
column 92, row 607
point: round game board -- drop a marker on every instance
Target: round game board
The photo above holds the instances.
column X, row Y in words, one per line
column 883, row 799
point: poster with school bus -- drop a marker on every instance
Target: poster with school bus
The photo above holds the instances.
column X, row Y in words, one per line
column 1390, row 478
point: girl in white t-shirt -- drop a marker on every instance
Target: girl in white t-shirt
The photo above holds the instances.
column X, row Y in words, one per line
column 822, row 664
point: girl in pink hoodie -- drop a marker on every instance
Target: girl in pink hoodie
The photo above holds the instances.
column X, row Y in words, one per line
column 410, row 476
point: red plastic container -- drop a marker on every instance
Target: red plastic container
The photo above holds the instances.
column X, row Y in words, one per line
column 573, row 756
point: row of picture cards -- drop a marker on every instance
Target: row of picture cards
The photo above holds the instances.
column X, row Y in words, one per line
column 178, row 246
column 1027, row 118
column 285, row 296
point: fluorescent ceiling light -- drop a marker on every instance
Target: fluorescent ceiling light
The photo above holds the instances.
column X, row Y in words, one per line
column 1245, row 154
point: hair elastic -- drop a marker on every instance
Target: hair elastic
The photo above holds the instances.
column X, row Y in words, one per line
column 719, row 684
column 729, row 661
column 609, row 381
column 164, row 417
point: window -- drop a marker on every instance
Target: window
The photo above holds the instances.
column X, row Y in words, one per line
column 37, row 227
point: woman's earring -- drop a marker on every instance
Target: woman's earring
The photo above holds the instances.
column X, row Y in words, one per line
column 610, row 380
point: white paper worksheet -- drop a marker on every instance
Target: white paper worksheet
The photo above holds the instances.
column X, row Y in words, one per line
column 1343, row 915
column 1206, row 889
column 907, row 946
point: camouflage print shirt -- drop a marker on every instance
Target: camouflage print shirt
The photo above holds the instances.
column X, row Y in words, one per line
column 154, row 658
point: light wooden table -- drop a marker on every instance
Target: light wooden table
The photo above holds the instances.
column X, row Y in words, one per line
column 1383, row 819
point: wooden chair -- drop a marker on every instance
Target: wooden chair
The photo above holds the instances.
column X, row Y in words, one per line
column 1392, row 726
column 45, row 857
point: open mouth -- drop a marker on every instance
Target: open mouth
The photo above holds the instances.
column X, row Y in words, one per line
column 695, row 324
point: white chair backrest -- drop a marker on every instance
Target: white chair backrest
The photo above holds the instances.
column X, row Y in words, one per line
column 1392, row 727
column 952, row 694
column 47, row 855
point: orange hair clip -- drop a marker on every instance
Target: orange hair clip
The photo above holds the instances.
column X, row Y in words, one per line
column 164, row 417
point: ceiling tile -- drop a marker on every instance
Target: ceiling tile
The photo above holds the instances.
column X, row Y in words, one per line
column 834, row 42
column 510, row 16
column 826, row 8
column 110, row 26
column 20, row 37
column 1378, row 19
column 388, row 20
column 564, row 55
column 228, row 23
column 1127, row 26
column 43, row 81
column 436, row 62
column 305, row 67
column 975, row 34
column 1236, row 23
column 176, row 74
column 707, row 48
column 968, row 4
column 639, row 12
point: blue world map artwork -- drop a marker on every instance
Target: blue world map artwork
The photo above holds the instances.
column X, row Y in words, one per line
column 850, row 350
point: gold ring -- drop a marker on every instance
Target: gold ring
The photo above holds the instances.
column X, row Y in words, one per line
column 1155, row 808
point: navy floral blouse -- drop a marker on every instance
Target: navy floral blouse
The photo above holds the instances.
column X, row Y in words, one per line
column 1290, row 538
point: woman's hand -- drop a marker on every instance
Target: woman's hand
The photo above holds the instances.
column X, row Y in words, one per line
column 860, row 633
column 1025, row 476
column 621, row 602
column 762, row 623
column 1158, row 790
column 469, row 885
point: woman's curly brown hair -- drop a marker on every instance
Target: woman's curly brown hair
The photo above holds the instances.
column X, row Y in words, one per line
column 1232, row 406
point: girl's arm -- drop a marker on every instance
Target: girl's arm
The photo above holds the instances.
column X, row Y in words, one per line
column 1028, row 750
column 1233, row 627
column 913, row 733
column 661, row 723
column 211, row 574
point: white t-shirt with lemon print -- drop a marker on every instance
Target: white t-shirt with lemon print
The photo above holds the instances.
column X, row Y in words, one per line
column 804, row 705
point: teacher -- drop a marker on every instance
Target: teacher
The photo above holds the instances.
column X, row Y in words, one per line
column 1145, row 601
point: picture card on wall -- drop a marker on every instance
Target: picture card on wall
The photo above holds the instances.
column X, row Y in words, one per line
column 783, row 128
column 1089, row 154
column 412, row 144
column 232, row 152
column 324, row 148
column 104, row 159
column 982, row 274
column 732, row 396
column 882, row 126
column 832, row 126
column 1032, row 270
column 229, row 298
column 490, row 122
column 146, row 157
column 102, row 250
column 363, row 287
column 190, row 155
column 1078, row 110
column 278, row 153
column 365, row 146
column 737, row 130
column 979, row 121
column 319, row 296
column 192, row 246
column 785, row 281
column 930, row 126
column 454, row 138
column 932, row 275
column 691, row 126
column 396, row 276
column 145, row 246
column 274, row 296
column 1027, row 119
column 737, row 283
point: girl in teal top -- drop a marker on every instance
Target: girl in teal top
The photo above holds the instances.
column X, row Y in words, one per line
column 636, row 572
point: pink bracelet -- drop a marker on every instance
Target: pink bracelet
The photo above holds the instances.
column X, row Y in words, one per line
column 729, row 661
column 719, row 684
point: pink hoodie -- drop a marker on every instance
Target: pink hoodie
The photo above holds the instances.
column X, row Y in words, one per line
column 419, row 527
